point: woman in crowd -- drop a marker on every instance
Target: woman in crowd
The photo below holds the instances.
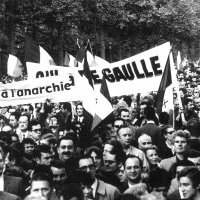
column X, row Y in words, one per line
column 159, row 179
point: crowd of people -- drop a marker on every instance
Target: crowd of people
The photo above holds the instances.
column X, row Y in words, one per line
column 49, row 152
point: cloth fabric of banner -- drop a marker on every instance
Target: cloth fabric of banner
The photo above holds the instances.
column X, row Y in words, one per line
column 63, row 88
column 137, row 74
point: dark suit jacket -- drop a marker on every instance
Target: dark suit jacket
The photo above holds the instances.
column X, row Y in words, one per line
column 14, row 185
column 163, row 150
column 152, row 130
column 8, row 196
column 174, row 196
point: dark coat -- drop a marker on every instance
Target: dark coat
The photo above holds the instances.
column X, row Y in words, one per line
column 8, row 196
column 152, row 130
column 14, row 185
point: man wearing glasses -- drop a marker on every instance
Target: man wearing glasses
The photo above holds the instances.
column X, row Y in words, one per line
column 118, row 122
column 165, row 146
column 99, row 189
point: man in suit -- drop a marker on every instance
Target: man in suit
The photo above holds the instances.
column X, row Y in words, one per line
column 10, row 184
column 166, row 143
column 96, row 188
column 22, row 129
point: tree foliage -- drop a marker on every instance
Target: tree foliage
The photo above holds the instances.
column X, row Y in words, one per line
column 118, row 27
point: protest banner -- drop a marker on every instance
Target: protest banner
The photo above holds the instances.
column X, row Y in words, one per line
column 137, row 74
column 61, row 88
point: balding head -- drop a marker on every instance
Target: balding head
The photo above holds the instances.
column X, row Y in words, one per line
column 144, row 141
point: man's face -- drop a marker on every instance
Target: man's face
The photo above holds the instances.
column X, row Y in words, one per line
column 53, row 121
column 40, row 188
column 54, row 125
column 97, row 159
column 87, row 165
column 144, row 142
column 25, row 109
column 169, row 134
column 13, row 121
column 110, row 162
column 66, row 149
column 133, row 169
column 14, row 138
column 125, row 136
column 120, row 173
column 125, row 115
column 190, row 105
column 29, row 148
column 46, row 158
column 186, row 187
column 23, row 123
column 59, row 176
column 79, row 110
column 36, row 132
column 142, row 107
column 107, row 149
column 180, row 144
column 117, row 125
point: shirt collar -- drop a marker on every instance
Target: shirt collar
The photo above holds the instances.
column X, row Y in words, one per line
column 150, row 122
column 94, row 187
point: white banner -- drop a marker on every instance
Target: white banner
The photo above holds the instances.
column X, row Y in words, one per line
column 137, row 74
column 69, row 87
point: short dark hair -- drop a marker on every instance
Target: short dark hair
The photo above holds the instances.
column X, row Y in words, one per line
column 5, row 137
column 123, row 110
column 192, row 173
column 28, row 141
column 40, row 176
column 117, row 150
column 164, row 118
column 34, row 122
column 95, row 149
column 67, row 138
column 149, row 113
column 16, row 114
column 44, row 148
column 58, row 164
column 183, row 163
